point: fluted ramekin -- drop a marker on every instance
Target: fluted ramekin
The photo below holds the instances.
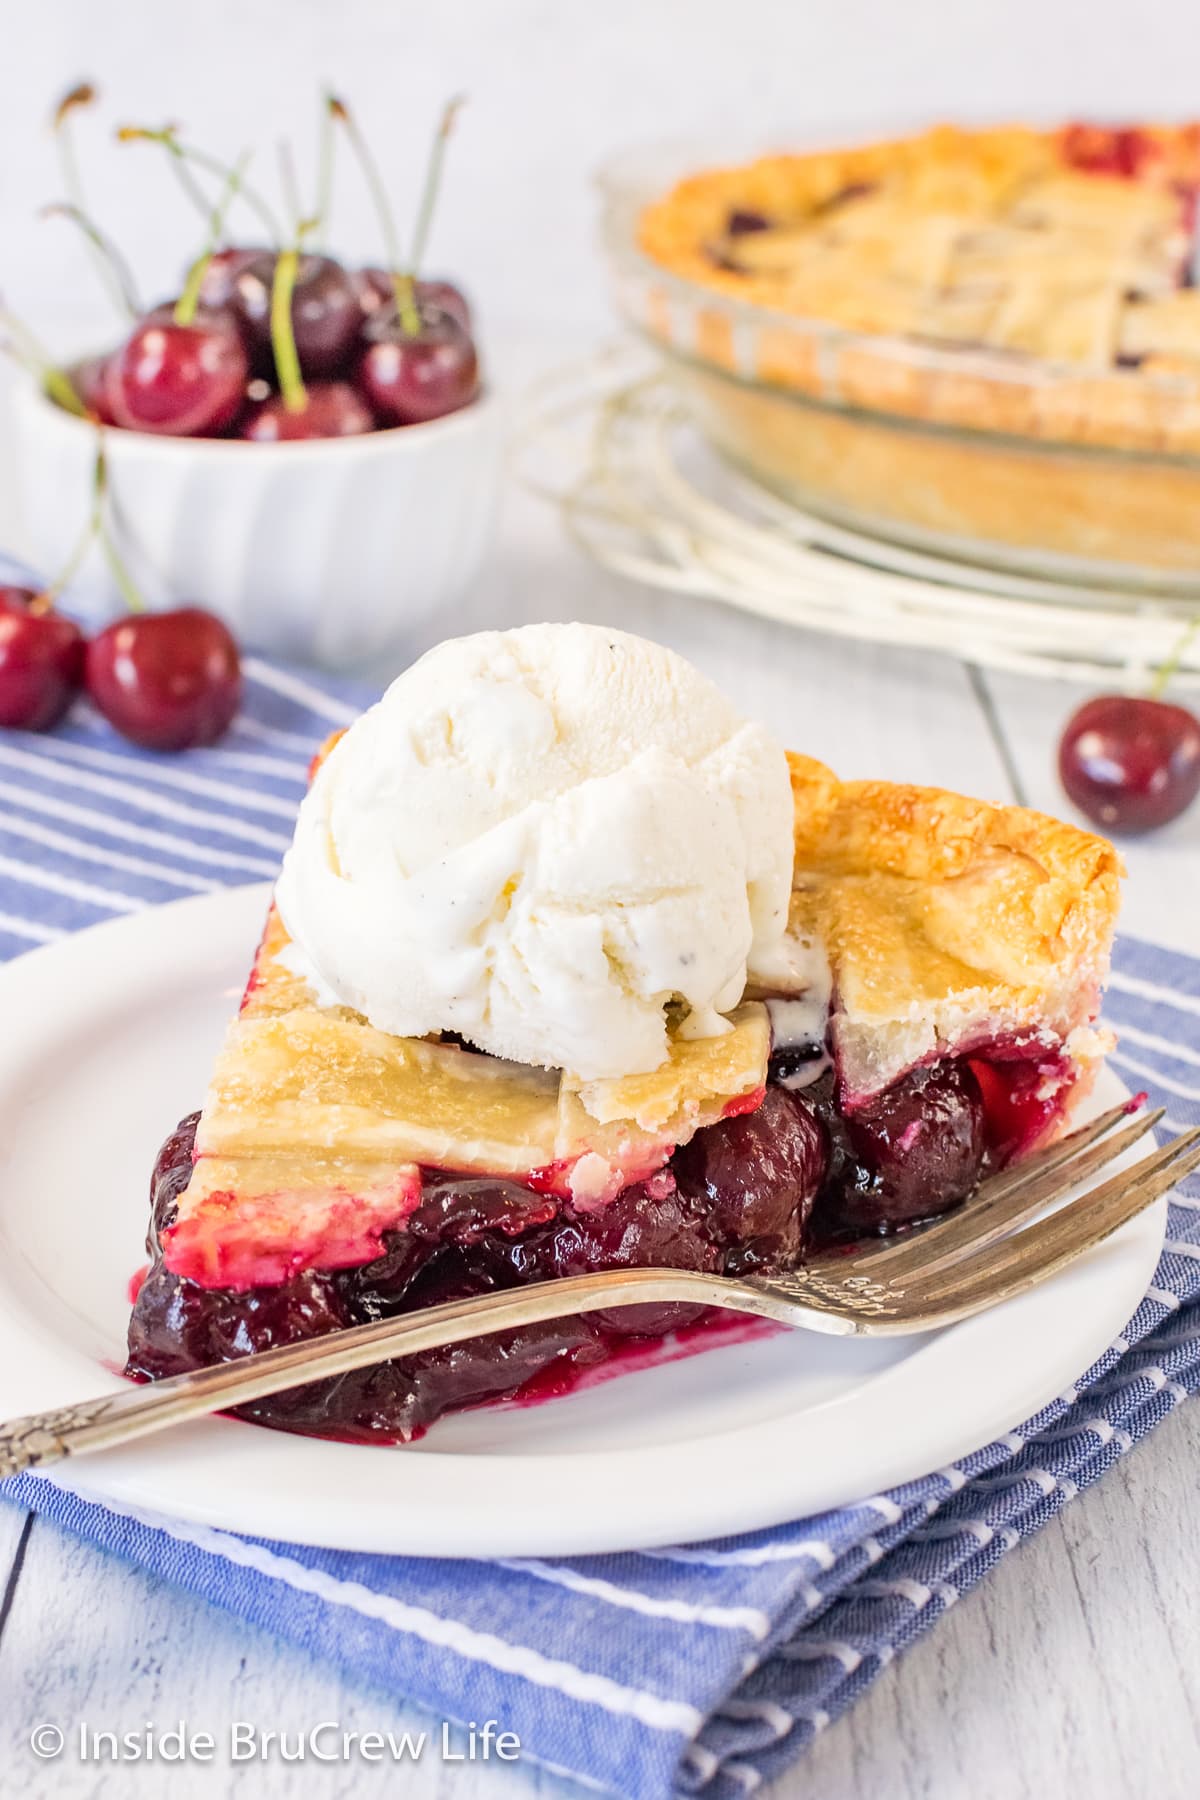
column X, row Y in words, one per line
column 329, row 552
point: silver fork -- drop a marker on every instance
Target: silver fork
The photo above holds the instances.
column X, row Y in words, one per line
column 993, row 1249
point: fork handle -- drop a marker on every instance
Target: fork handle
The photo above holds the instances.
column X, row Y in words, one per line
column 111, row 1419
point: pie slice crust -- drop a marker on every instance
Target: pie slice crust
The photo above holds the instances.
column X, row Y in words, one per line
column 316, row 1126
column 949, row 926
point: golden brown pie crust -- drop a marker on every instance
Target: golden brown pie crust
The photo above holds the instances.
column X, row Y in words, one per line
column 949, row 923
column 994, row 280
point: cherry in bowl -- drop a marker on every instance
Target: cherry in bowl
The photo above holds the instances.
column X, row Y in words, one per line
column 218, row 285
column 410, row 377
column 89, row 378
column 326, row 312
column 376, row 289
column 331, row 409
column 177, row 380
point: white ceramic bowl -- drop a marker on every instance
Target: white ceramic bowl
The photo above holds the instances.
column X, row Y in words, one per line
column 327, row 552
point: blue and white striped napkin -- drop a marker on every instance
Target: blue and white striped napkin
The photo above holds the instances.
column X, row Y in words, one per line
column 704, row 1669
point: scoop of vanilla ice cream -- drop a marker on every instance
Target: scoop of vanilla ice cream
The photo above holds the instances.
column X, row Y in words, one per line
column 538, row 839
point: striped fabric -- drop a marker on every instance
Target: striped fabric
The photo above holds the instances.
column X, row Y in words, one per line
column 696, row 1670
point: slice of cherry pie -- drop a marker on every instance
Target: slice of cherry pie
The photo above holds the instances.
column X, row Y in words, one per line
column 948, row 962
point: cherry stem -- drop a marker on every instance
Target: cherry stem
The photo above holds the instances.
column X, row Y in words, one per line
column 118, row 277
column 403, row 284
column 183, row 156
column 289, row 184
column 326, row 145
column 189, row 299
column 433, row 180
column 109, row 265
column 34, row 357
column 83, row 94
column 120, row 573
column 283, row 337
column 44, row 600
column 1170, row 668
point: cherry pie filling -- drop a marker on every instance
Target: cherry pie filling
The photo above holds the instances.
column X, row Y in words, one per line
column 760, row 1189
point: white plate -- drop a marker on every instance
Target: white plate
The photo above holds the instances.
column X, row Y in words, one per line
column 107, row 1041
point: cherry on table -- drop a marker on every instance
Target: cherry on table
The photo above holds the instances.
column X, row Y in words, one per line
column 332, row 409
column 41, row 660
column 412, row 377
column 326, row 313
column 177, row 380
column 166, row 680
column 1129, row 762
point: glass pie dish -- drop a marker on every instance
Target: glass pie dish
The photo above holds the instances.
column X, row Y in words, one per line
column 1084, row 470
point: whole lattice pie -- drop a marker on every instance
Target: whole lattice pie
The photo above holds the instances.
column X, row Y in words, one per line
column 1066, row 258
column 940, row 1024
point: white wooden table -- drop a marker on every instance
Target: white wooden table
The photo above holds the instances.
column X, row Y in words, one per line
column 1075, row 1666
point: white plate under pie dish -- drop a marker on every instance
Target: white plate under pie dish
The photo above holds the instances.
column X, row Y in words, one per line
column 108, row 1038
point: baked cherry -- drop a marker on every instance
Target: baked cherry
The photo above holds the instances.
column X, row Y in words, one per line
column 905, row 1154
column 177, row 380
column 1123, row 150
column 166, row 680
column 412, row 376
column 326, row 313
column 331, row 409
column 1131, row 763
column 465, row 1209
column 758, row 1175
column 742, row 221
column 640, row 1229
column 41, row 660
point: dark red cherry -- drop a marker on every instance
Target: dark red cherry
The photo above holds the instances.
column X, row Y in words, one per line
column 1124, row 150
column 636, row 1230
column 334, row 409
column 41, row 661
column 742, row 221
column 178, row 380
column 757, row 1175
column 444, row 296
column 326, row 314
column 905, row 1154
column 219, row 282
column 377, row 293
column 1130, row 763
column 464, row 1210
column 411, row 378
column 166, row 680
column 89, row 378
